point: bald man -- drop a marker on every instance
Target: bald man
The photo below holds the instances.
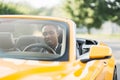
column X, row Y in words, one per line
column 50, row 33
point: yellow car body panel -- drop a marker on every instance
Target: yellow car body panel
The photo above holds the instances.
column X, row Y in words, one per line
column 73, row 69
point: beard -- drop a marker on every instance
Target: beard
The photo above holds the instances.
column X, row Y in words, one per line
column 49, row 43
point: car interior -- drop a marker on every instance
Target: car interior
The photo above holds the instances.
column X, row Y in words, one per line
column 15, row 36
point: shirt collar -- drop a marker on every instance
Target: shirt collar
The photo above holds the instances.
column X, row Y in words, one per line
column 56, row 46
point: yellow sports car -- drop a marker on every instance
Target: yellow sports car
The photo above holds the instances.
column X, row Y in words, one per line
column 46, row 48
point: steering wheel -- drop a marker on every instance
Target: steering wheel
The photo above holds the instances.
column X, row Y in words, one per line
column 37, row 48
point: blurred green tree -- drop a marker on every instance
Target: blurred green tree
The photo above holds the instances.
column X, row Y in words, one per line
column 17, row 8
column 24, row 8
column 8, row 9
column 92, row 13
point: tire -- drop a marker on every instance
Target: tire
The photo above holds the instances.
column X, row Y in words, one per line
column 115, row 74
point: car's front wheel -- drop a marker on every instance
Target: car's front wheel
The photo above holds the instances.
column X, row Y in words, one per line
column 115, row 74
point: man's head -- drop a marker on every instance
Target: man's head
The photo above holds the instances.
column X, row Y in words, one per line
column 50, row 33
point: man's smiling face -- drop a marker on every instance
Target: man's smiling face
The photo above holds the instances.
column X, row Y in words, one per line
column 50, row 35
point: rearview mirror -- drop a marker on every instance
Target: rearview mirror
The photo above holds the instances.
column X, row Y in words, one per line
column 96, row 52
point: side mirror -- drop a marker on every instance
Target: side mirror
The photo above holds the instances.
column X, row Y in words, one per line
column 96, row 52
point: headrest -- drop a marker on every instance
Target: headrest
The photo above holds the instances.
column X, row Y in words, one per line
column 6, row 40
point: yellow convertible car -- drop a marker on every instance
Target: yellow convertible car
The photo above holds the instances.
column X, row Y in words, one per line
column 46, row 48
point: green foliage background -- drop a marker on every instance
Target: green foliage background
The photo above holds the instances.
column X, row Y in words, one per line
column 85, row 13
column 92, row 13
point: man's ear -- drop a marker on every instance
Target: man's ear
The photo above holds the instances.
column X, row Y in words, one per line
column 60, row 36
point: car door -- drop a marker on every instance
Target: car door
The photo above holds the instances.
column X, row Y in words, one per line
column 94, row 69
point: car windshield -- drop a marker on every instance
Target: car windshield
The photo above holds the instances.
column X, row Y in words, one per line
column 32, row 39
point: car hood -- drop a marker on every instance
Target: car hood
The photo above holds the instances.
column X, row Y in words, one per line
column 14, row 69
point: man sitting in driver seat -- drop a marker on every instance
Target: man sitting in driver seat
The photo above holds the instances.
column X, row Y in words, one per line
column 51, row 34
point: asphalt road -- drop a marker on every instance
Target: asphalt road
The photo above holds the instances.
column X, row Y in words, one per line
column 115, row 45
